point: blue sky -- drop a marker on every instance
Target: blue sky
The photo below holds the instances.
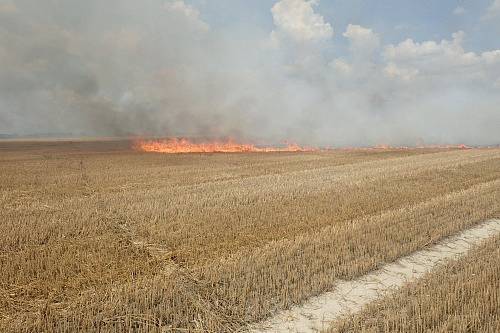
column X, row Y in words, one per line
column 395, row 20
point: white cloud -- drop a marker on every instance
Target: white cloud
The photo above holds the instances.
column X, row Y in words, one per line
column 444, row 61
column 491, row 57
column 363, row 40
column 361, row 63
column 341, row 66
column 437, row 55
column 297, row 20
column 493, row 10
column 192, row 14
column 394, row 72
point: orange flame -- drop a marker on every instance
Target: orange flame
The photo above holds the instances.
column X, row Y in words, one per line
column 176, row 146
column 181, row 145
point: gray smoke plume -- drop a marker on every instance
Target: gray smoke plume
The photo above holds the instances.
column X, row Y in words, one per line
column 156, row 68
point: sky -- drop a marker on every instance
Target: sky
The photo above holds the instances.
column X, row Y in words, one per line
column 316, row 72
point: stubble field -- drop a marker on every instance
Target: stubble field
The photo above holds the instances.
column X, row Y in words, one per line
column 463, row 296
column 95, row 236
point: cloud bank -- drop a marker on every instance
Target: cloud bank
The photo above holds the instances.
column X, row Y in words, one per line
column 121, row 67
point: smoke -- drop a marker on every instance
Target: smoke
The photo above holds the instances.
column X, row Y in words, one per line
column 124, row 67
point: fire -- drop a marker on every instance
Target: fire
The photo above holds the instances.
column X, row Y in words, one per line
column 180, row 145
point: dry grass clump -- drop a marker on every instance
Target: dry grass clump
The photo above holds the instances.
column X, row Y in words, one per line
column 97, row 237
column 463, row 296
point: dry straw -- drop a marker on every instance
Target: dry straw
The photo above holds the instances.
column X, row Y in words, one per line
column 96, row 237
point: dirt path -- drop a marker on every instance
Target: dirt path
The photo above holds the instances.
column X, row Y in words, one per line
column 350, row 296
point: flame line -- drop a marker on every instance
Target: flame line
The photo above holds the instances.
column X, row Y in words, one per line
column 182, row 145
column 176, row 146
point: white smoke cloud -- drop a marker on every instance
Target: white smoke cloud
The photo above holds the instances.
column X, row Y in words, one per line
column 7, row 7
column 430, row 91
column 126, row 67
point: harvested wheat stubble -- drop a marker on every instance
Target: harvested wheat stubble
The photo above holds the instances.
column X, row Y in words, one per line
column 351, row 296
column 462, row 296
column 212, row 242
